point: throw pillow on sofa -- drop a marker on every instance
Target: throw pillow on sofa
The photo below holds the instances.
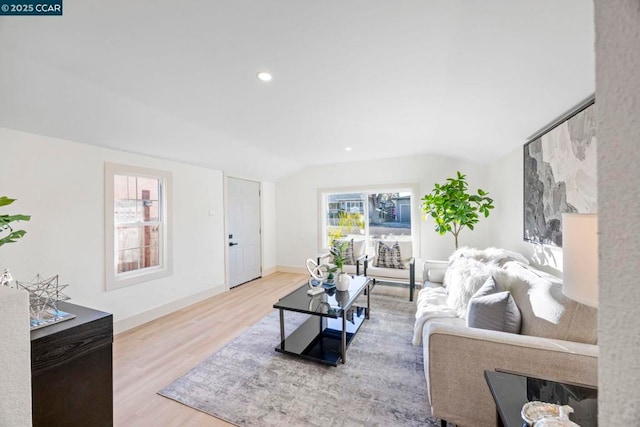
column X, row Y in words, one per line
column 493, row 308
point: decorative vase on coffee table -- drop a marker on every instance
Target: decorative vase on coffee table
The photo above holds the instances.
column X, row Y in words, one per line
column 342, row 282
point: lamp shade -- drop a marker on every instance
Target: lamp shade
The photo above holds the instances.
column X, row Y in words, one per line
column 580, row 258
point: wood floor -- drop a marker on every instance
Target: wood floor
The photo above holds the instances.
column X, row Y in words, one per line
column 151, row 356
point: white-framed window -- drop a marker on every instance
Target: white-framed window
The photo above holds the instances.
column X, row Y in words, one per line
column 368, row 213
column 137, row 225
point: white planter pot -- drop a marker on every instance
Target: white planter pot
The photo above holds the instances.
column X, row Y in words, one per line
column 342, row 282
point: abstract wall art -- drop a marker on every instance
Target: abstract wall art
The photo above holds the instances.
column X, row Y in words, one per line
column 560, row 174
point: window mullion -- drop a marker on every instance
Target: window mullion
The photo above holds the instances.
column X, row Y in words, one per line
column 366, row 218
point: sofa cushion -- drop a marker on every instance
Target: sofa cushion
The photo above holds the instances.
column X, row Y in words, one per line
column 493, row 308
column 545, row 311
column 435, row 275
column 429, row 265
column 490, row 286
column 388, row 256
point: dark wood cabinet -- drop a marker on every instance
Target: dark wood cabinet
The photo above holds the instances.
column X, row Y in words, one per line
column 71, row 370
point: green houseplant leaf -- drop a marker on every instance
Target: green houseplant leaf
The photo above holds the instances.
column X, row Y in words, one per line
column 452, row 208
column 7, row 233
column 338, row 253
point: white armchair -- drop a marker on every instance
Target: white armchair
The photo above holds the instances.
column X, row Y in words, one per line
column 401, row 267
column 397, row 266
column 359, row 255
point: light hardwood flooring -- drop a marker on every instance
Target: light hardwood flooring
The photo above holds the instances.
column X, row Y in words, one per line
column 151, row 356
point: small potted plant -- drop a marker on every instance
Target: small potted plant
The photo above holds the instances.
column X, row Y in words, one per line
column 339, row 257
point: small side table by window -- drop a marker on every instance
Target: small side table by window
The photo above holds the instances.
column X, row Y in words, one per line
column 510, row 392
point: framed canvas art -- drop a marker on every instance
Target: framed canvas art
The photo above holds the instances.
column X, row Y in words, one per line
column 560, row 174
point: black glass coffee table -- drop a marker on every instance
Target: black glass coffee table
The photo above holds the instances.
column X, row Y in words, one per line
column 511, row 391
column 333, row 322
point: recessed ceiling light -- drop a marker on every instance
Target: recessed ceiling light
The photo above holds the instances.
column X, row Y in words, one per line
column 264, row 76
column 348, row 149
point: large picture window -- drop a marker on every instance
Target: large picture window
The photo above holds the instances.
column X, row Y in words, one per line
column 366, row 215
column 137, row 227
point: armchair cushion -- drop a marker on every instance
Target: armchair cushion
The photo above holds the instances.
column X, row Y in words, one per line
column 389, row 273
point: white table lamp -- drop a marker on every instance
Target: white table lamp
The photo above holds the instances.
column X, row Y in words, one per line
column 580, row 257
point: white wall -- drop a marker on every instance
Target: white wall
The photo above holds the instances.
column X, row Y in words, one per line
column 618, row 108
column 298, row 204
column 61, row 185
column 298, row 210
column 269, row 240
column 506, row 222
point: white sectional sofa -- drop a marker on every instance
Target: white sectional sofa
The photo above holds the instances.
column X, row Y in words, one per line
column 557, row 338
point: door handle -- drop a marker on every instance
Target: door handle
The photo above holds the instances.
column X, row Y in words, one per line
column 232, row 244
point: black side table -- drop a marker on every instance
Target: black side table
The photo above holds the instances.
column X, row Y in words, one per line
column 71, row 370
column 510, row 392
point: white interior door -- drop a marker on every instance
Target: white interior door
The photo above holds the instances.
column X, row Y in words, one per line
column 243, row 227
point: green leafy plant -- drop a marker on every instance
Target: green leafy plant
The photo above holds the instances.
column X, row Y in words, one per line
column 453, row 208
column 339, row 256
column 7, row 233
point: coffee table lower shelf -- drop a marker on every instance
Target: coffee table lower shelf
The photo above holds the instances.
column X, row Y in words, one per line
column 320, row 338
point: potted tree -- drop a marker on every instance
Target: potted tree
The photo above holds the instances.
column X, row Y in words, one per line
column 8, row 234
column 452, row 207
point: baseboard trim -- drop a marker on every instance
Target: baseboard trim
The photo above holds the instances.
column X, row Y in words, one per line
column 298, row 270
column 136, row 320
column 269, row 271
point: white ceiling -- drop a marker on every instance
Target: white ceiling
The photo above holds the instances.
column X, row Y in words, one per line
column 176, row 79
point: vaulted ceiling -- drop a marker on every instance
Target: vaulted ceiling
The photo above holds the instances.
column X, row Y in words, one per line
column 177, row 79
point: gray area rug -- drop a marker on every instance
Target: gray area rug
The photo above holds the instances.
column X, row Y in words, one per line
column 249, row 384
